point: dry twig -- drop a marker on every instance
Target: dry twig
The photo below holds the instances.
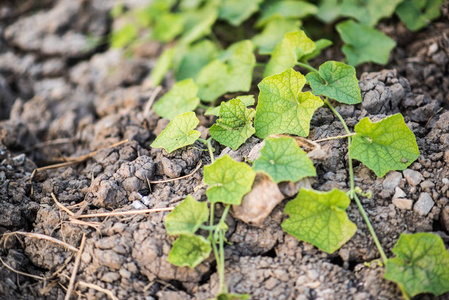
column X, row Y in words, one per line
column 40, row 236
column 126, row 213
column 92, row 224
column 50, row 143
column 22, row 273
column 75, row 268
column 58, row 204
column 150, row 102
column 98, row 288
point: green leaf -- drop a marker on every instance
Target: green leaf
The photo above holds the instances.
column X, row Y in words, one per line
column 189, row 250
column 149, row 14
column 369, row 12
column 293, row 46
column 319, row 218
column 328, row 10
column 198, row 23
column 273, row 33
column 180, row 99
column 232, row 297
column 234, row 126
column 195, row 58
column 284, row 160
column 364, row 44
column 319, row 46
column 232, row 72
column 248, row 100
column 282, row 107
column 421, row 264
column 187, row 217
column 179, row 133
column 167, row 27
column 228, row 180
column 163, row 64
column 336, row 80
column 384, row 146
column 189, row 4
column 237, row 11
column 124, row 36
column 286, row 9
column 117, row 10
column 417, row 14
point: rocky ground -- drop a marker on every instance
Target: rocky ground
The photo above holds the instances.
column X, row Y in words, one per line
column 63, row 96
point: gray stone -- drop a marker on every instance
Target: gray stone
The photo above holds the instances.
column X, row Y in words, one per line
column 398, row 193
column 424, row 204
column 392, row 180
column 271, row 283
column 110, row 277
column 386, row 193
column 138, row 205
column 427, row 184
column 403, row 203
column 413, row 177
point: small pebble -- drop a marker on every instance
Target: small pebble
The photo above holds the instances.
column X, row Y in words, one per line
column 424, row 204
column 392, row 180
column 403, row 203
column 271, row 283
column 398, row 193
column 445, row 181
column 427, row 184
column 138, row 205
column 146, row 200
column 110, row 277
column 413, row 177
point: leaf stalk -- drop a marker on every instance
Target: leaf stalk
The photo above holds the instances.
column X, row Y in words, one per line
column 352, row 193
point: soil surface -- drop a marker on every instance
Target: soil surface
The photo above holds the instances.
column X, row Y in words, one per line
column 63, row 96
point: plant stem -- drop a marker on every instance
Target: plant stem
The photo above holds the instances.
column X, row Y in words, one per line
column 211, row 221
column 209, row 147
column 205, row 227
column 225, row 213
column 326, row 101
column 203, row 106
column 221, row 268
column 370, row 227
column 352, row 194
column 211, row 152
column 220, row 260
column 217, row 229
column 307, row 66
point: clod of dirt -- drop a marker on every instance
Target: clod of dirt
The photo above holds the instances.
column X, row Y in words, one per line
column 112, row 190
column 382, row 92
column 41, row 32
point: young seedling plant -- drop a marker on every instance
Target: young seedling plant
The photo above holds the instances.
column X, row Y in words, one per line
column 205, row 72
column 421, row 262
